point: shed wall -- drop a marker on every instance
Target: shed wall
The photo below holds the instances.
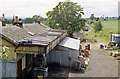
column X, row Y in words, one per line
column 65, row 57
column 117, row 40
column 8, row 68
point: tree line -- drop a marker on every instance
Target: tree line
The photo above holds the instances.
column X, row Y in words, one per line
column 26, row 20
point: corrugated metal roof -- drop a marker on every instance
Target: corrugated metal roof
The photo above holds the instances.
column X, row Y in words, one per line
column 70, row 43
column 43, row 38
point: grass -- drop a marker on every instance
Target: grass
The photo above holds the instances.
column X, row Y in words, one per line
column 104, row 36
column 110, row 26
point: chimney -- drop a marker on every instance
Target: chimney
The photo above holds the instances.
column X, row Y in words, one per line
column 20, row 23
column 38, row 20
column 3, row 21
column 13, row 20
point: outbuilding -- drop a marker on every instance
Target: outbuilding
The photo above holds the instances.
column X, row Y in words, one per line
column 115, row 38
column 78, row 35
column 65, row 53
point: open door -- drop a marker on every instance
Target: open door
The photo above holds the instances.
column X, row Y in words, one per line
column 19, row 69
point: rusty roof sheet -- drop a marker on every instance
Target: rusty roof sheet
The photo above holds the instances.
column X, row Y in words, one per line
column 44, row 38
column 40, row 40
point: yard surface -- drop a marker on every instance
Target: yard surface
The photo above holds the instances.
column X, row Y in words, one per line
column 101, row 64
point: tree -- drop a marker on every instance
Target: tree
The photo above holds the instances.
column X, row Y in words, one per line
column 119, row 18
column 33, row 19
column 67, row 16
column 92, row 17
column 8, row 21
column 98, row 26
column 28, row 20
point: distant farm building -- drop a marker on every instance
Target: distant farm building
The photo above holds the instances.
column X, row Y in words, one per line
column 86, row 28
column 115, row 38
column 77, row 35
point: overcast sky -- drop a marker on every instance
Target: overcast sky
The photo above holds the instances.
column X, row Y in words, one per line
column 28, row 8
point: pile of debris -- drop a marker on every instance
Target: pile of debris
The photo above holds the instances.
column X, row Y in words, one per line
column 83, row 58
column 109, row 46
column 115, row 54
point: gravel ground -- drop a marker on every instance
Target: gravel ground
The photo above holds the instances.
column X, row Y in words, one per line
column 101, row 65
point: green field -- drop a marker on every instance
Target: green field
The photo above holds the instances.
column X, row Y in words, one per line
column 110, row 26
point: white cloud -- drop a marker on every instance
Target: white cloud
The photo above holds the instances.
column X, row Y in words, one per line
column 27, row 8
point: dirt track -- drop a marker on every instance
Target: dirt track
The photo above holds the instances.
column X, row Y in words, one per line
column 101, row 65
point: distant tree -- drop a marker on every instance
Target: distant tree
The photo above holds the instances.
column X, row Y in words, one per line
column 0, row 19
column 28, row 20
column 43, row 19
column 119, row 18
column 66, row 15
column 92, row 17
column 97, row 19
column 8, row 21
column 98, row 26
column 33, row 19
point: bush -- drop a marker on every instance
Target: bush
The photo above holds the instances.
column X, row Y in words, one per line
column 95, row 40
column 95, row 35
column 98, row 26
column 4, row 52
